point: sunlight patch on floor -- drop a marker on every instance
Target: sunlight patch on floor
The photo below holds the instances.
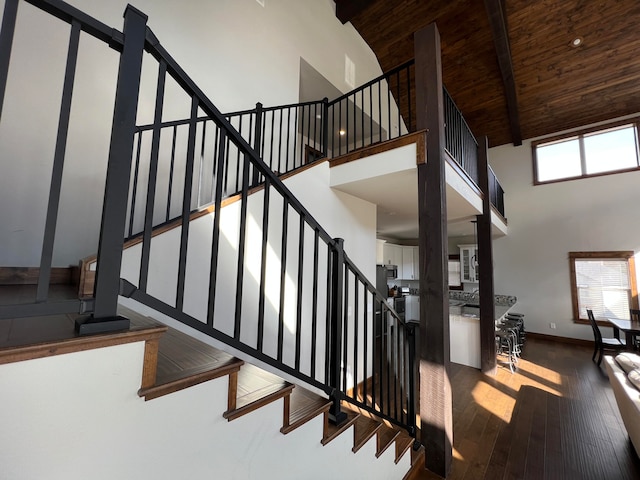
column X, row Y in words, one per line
column 493, row 400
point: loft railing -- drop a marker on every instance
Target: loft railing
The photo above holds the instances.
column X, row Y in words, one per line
column 298, row 304
column 291, row 136
column 459, row 141
column 496, row 193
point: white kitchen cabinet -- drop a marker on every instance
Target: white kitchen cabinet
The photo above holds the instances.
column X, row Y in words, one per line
column 392, row 255
column 408, row 272
column 469, row 263
column 416, row 263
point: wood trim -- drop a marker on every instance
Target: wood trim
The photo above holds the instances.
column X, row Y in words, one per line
column 578, row 134
column 29, row 275
column 155, row 391
column 553, row 338
column 150, row 363
column 627, row 255
column 79, row 344
column 418, row 137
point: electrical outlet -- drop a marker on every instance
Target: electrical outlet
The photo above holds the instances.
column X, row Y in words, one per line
column 552, row 326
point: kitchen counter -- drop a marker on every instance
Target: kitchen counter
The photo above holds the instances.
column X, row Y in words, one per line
column 464, row 325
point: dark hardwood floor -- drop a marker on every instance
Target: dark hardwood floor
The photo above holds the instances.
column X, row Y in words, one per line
column 555, row 418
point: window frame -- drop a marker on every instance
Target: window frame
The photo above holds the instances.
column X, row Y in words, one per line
column 580, row 134
column 627, row 255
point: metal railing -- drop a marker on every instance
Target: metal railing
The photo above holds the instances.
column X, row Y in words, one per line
column 298, row 304
column 379, row 110
column 496, row 193
column 309, row 312
column 459, row 141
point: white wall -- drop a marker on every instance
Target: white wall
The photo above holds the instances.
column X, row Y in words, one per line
column 546, row 222
column 238, row 52
column 79, row 417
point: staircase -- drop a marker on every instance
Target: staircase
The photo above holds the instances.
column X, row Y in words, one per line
column 179, row 364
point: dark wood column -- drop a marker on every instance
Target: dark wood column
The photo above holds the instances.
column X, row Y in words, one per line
column 485, row 262
column 436, row 428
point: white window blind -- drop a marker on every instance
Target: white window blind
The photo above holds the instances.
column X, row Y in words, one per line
column 603, row 286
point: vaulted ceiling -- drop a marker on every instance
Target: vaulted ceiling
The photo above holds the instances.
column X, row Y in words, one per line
column 510, row 65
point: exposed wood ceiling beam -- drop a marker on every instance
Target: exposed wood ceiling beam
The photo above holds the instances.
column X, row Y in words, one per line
column 347, row 9
column 497, row 20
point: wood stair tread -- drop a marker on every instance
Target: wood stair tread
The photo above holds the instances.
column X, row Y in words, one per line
column 403, row 443
column 386, row 436
column 303, row 406
column 364, row 429
column 333, row 431
column 256, row 388
column 183, row 361
column 417, row 470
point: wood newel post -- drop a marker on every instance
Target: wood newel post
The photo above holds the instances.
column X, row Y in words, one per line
column 485, row 262
column 114, row 210
column 436, row 424
column 335, row 371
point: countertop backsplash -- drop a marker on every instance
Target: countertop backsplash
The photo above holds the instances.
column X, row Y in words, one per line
column 471, row 297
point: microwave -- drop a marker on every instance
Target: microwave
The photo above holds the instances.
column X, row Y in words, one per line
column 392, row 272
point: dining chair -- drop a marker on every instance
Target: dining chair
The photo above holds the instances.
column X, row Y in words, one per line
column 634, row 315
column 602, row 344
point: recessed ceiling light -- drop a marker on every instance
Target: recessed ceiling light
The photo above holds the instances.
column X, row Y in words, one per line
column 576, row 42
column 342, row 132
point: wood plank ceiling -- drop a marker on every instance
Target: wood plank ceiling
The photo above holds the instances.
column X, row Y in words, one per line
column 555, row 86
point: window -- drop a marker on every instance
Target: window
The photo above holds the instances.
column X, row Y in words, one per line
column 587, row 153
column 604, row 282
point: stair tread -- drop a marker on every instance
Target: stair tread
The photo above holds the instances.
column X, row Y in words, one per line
column 364, row 429
column 386, row 436
column 417, row 470
column 333, row 431
column 256, row 388
column 304, row 406
column 183, row 361
column 403, row 443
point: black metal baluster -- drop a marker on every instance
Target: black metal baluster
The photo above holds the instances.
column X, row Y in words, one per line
column 345, row 325
column 55, row 188
column 289, row 139
column 337, row 290
column 308, row 142
column 295, row 140
column 6, row 42
column 186, row 204
column 241, row 245
column 356, row 322
column 215, row 237
column 389, row 109
column 409, row 100
column 411, row 411
column 315, row 129
column 365, row 357
column 280, row 146
column 258, row 142
column 325, row 126
column 340, row 129
column 273, row 124
column 380, row 109
column 362, row 116
column 371, row 113
column 283, row 274
column 263, row 264
column 328, row 353
column 171, row 167
column 134, row 191
column 299, row 292
column 153, row 175
column 355, row 126
column 314, row 306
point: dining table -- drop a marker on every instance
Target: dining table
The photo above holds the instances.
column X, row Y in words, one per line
column 631, row 329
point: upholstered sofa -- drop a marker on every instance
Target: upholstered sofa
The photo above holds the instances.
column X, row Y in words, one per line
column 624, row 376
